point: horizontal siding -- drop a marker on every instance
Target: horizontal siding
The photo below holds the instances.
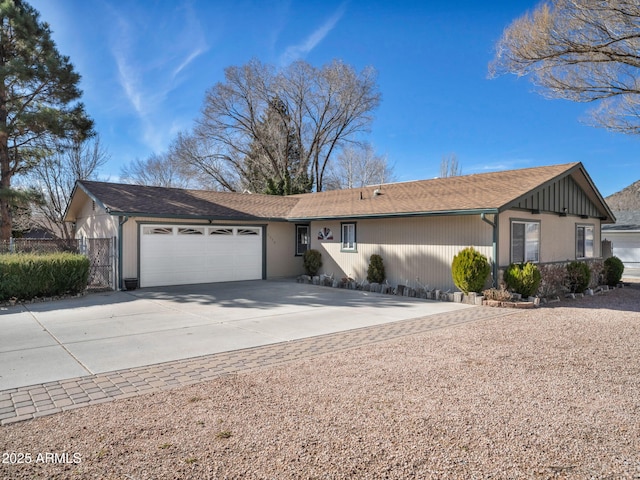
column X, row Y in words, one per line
column 413, row 250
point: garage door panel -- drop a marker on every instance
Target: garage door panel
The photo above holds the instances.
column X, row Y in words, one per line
column 176, row 255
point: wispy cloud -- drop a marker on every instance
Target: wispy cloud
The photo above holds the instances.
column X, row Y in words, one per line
column 294, row 52
column 148, row 75
column 496, row 165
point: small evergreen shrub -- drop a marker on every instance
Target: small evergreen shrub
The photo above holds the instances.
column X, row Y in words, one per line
column 375, row 272
column 312, row 260
column 26, row 276
column 470, row 270
column 578, row 276
column 523, row 278
column 613, row 270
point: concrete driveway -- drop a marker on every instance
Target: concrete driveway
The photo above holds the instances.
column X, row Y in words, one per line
column 111, row 331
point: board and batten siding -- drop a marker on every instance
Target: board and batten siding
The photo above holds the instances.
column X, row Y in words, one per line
column 557, row 235
column 411, row 248
column 280, row 245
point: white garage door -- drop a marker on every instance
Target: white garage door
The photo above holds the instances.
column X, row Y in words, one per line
column 184, row 254
column 626, row 246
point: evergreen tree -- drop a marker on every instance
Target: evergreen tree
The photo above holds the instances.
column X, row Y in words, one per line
column 274, row 165
column 38, row 94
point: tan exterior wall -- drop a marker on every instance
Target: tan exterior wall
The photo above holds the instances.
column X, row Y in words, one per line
column 419, row 247
column 281, row 256
column 94, row 222
column 280, row 238
column 557, row 235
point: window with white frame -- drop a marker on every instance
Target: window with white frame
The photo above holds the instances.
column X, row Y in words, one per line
column 349, row 237
column 584, row 241
column 525, row 241
column 303, row 239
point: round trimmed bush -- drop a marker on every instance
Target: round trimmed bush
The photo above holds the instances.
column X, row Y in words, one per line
column 613, row 270
column 312, row 260
column 375, row 272
column 470, row 270
column 523, row 278
column 578, row 276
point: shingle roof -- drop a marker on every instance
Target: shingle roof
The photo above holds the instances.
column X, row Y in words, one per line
column 626, row 220
column 175, row 202
column 485, row 191
column 494, row 191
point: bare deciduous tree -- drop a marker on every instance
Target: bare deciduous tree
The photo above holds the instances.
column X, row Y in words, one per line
column 580, row 50
column 325, row 108
column 358, row 167
column 55, row 176
column 449, row 166
column 160, row 170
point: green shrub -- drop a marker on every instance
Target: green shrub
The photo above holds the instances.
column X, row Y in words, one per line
column 375, row 272
column 523, row 278
column 578, row 276
column 470, row 270
column 613, row 270
column 312, row 262
column 26, row 276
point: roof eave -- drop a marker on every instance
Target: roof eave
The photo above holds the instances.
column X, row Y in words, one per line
column 175, row 216
column 440, row 213
column 79, row 185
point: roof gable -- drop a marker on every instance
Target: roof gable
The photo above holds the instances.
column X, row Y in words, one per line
column 573, row 194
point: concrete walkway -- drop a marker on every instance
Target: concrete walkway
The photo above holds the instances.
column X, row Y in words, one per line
column 134, row 331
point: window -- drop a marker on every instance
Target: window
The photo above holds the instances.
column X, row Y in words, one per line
column 190, row 231
column 248, row 231
column 158, row 231
column 303, row 239
column 221, row 231
column 349, row 237
column 525, row 242
column 584, row 241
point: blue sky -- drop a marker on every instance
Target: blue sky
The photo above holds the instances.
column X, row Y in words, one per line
column 146, row 66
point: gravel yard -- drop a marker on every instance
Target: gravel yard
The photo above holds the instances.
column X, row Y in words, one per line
column 546, row 393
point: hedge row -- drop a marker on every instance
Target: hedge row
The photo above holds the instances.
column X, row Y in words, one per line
column 26, row 276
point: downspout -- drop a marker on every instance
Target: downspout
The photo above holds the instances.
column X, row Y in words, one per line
column 494, row 224
column 121, row 222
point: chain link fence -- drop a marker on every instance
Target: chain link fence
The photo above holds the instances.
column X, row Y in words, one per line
column 100, row 251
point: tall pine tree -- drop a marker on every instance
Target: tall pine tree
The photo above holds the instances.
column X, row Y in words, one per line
column 39, row 90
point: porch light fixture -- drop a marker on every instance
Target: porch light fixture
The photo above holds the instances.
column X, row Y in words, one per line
column 564, row 212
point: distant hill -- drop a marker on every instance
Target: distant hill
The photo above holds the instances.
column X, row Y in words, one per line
column 626, row 199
